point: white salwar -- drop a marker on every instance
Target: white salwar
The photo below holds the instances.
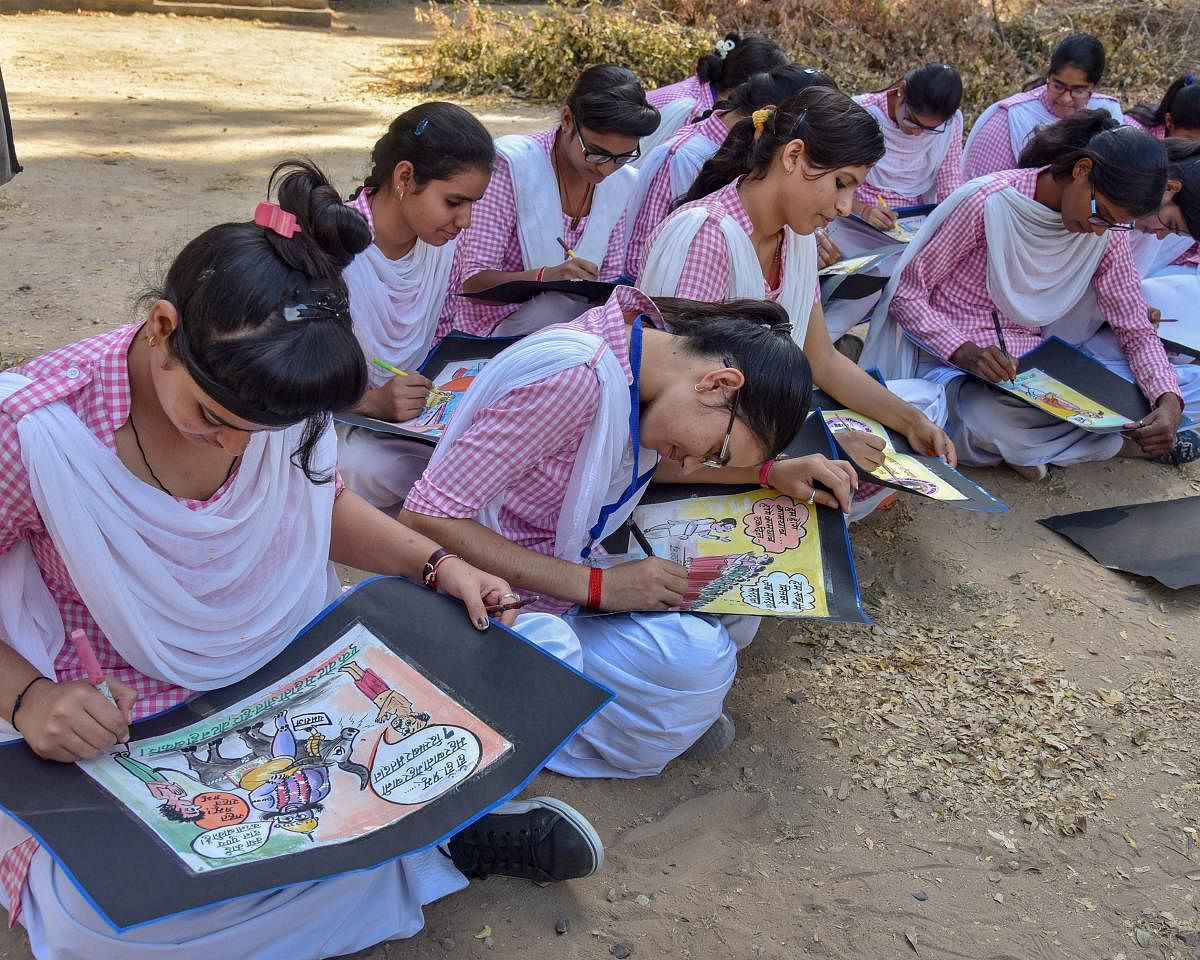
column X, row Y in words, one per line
column 395, row 305
column 670, row 671
column 539, row 224
column 1036, row 270
column 199, row 598
column 669, row 253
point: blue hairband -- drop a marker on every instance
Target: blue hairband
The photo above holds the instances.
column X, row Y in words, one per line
column 1188, row 80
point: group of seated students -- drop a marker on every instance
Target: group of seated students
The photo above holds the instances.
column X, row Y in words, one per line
column 210, row 420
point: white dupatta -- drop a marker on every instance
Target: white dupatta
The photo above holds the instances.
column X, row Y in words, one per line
column 1038, row 272
column 539, row 210
column 910, row 164
column 683, row 166
column 671, row 118
column 1151, row 254
column 604, row 463
column 396, row 303
column 198, row 598
column 673, row 243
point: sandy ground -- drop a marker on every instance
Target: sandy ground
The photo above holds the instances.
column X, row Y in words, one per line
column 1003, row 767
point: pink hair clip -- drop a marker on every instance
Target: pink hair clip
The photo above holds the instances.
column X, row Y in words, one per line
column 274, row 217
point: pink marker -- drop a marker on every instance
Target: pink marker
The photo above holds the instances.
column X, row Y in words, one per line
column 91, row 666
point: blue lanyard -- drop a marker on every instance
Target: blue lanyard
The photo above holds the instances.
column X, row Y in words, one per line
column 635, row 416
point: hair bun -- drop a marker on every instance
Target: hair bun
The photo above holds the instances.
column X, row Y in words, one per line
column 333, row 233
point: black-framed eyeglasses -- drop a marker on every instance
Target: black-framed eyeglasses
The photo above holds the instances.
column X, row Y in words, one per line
column 597, row 156
column 1098, row 220
column 914, row 122
column 722, row 458
column 1081, row 91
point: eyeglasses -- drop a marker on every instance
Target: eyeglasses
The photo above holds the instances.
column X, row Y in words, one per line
column 1101, row 221
column 1080, row 92
column 722, row 458
column 914, row 122
column 597, row 156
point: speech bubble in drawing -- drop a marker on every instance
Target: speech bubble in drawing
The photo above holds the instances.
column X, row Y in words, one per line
column 306, row 721
column 424, row 765
column 225, row 843
column 780, row 591
column 777, row 523
column 220, row 809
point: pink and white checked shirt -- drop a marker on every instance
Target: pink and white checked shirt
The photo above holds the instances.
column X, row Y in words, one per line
column 949, row 175
column 705, row 274
column 524, row 446
column 693, row 86
column 660, row 194
column 1189, row 258
column 492, row 243
column 942, row 296
column 1159, row 131
column 92, row 378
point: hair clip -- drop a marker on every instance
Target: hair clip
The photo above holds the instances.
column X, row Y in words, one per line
column 783, row 326
column 325, row 305
column 1188, row 80
column 760, row 117
column 725, row 47
column 421, row 127
column 274, row 217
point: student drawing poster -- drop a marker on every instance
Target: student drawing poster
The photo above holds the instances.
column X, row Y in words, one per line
column 897, row 468
column 351, row 742
column 449, row 384
column 757, row 552
column 1056, row 398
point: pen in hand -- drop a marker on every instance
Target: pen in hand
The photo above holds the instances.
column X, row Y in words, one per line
column 1000, row 337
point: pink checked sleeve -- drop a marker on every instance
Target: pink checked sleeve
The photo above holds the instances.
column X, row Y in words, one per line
column 950, row 175
column 496, row 451
column 705, row 274
column 1119, row 297
column 991, row 150
column 654, row 210
column 959, row 236
column 18, row 511
column 1189, row 258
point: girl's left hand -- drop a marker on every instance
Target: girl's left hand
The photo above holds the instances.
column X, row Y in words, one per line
column 478, row 590
column 827, row 251
column 928, row 439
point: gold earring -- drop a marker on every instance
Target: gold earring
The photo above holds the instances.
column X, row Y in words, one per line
column 151, row 340
column 696, row 388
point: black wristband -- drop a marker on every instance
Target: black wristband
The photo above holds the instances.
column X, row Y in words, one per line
column 20, row 699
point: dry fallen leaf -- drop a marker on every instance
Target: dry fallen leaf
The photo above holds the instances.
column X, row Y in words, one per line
column 484, row 933
column 910, row 935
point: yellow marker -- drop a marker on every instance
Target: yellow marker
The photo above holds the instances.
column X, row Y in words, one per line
column 384, row 365
column 883, row 203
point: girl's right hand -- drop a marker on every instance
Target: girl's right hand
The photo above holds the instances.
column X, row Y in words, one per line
column 653, row 584
column 574, row 269
column 72, row 721
column 878, row 217
column 400, row 399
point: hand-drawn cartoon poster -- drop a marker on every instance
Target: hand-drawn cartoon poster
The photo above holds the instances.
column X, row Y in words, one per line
column 906, row 228
column 757, row 552
column 449, row 384
column 897, row 467
column 352, row 741
column 1056, row 398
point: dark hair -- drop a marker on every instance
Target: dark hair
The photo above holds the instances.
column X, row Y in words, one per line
column 438, row 139
column 768, row 89
column 1128, row 165
column 756, row 337
column 934, row 88
column 1183, row 157
column 264, row 320
column 609, row 99
column 836, row 131
column 1181, row 101
column 1080, row 50
column 171, row 813
column 747, row 57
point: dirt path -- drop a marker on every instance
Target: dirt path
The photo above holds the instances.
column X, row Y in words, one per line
column 873, row 805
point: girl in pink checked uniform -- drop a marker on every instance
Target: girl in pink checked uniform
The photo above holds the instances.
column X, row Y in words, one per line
column 734, row 61
column 1003, row 129
column 571, row 183
column 668, row 172
column 781, row 176
column 1045, row 250
column 170, row 488
column 922, row 126
column 1177, row 114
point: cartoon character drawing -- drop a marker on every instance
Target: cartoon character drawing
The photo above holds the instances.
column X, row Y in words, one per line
column 290, row 788
column 176, row 804
column 703, row 527
column 442, row 399
column 711, row 577
column 395, row 709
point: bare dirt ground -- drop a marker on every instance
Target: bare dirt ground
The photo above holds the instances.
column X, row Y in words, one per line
column 1004, row 767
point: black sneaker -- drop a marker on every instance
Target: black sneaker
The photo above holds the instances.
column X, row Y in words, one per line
column 541, row 839
column 1187, row 449
column 712, row 741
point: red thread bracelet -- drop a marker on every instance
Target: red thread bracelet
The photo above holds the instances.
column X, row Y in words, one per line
column 595, row 582
column 764, row 473
column 541, row 272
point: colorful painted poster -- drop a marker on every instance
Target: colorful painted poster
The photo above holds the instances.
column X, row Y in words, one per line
column 1054, row 397
column 757, row 552
column 351, row 742
column 851, row 266
column 897, row 467
column 449, row 384
column 906, row 228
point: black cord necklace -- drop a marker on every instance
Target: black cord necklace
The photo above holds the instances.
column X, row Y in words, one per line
column 153, row 476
